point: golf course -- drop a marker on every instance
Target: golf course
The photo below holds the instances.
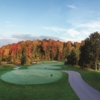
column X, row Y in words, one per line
column 50, row 50
column 37, row 74
column 46, row 80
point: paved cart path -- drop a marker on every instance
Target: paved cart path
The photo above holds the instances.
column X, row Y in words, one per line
column 81, row 88
column 16, row 68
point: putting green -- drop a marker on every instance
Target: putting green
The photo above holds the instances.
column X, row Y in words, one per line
column 52, row 62
column 43, row 66
column 31, row 76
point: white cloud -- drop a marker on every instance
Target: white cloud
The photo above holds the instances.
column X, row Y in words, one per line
column 93, row 24
column 72, row 6
column 77, row 32
column 83, row 30
column 56, row 29
column 76, row 39
column 31, row 37
column 72, row 32
column 89, row 27
column 4, row 40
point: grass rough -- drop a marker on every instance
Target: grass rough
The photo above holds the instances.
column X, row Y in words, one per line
column 59, row 90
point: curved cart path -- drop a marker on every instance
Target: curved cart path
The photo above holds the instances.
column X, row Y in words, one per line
column 81, row 88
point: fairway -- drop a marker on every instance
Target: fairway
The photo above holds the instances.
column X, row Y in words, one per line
column 31, row 76
column 44, row 66
column 35, row 83
column 52, row 62
column 47, row 65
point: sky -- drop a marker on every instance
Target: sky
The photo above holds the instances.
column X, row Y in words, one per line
column 65, row 20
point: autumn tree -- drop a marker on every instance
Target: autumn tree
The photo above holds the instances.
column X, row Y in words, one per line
column 54, row 50
column 35, row 50
column 67, row 48
column 77, row 44
column 46, row 49
column 60, row 50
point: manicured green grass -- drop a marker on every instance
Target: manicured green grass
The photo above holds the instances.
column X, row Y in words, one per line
column 59, row 90
column 52, row 62
column 37, row 74
column 24, row 66
column 92, row 77
column 31, row 76
column 44, row 66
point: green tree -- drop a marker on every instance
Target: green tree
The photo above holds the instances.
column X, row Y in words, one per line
column 84, row 60
column 73, row 58
column 24, row 59
column 90, row 51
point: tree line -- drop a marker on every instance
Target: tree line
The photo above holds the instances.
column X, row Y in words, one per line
column 25, row 52
column 85, row 54
column 88, row 54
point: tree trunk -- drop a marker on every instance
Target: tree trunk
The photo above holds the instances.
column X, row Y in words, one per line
column 95, row 66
